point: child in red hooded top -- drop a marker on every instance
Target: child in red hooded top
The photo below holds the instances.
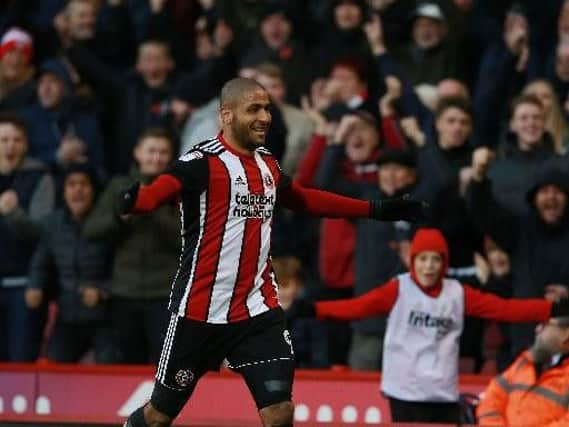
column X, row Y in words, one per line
column 425, row 319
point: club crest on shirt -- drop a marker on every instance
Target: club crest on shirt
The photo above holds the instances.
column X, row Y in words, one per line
column 269, row 181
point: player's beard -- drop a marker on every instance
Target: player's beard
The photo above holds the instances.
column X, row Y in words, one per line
column 242, row 132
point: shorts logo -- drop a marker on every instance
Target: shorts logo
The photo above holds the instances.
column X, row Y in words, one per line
column 288, row 340
column 184, row 377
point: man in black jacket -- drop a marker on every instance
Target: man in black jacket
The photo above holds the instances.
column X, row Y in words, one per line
column 537, row 242
column 79, row 269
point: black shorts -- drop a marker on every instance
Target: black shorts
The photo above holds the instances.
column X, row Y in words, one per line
column 260, row 349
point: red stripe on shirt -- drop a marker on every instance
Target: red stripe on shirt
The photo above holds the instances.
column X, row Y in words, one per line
column 217, row 211
column 274, row 169
column 268, row 288
column 249, row 250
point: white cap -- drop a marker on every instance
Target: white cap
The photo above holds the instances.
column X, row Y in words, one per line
column 429, row 10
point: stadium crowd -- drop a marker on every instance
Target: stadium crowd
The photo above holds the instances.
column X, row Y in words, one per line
column 461, row 103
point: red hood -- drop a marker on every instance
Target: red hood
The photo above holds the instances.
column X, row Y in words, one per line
column 429, row 239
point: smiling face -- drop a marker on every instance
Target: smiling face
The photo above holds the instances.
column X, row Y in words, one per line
column 153, row 154
column 528, row 123
column 247, row 121
column 428, row 267
column 550, row 202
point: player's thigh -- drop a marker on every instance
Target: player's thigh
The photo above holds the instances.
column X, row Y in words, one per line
column 265, row 358
column 189, row 350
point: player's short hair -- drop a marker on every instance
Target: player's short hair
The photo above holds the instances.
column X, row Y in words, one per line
column 235, row 90
column 159, row 133
column 18, row 123
column 453, row 102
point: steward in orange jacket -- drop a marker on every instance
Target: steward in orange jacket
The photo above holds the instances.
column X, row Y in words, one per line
column 530, row 393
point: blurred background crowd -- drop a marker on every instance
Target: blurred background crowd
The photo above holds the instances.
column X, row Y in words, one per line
column 462, row 103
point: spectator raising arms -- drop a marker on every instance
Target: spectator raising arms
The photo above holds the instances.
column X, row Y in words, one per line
column 425, row 319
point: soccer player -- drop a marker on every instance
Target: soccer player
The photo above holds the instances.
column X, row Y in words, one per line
column 224, row 301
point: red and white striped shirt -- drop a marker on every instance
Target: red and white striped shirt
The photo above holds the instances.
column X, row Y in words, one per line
column 226, row 201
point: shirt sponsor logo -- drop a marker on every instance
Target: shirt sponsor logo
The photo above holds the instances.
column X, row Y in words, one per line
column 425, row 320
column 239, row 180
column 254, row 206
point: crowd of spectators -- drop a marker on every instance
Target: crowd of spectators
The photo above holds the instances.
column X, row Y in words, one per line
column 461, row 103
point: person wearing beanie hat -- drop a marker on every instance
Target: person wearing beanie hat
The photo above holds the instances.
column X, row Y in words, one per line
column 426, row 314
column 535, row 240
column 17, row 39
column 17, row 85
column 62, row 131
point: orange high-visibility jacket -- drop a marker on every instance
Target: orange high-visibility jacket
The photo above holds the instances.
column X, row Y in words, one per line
column 517, row 398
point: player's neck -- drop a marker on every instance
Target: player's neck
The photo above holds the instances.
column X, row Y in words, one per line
column 232, row 143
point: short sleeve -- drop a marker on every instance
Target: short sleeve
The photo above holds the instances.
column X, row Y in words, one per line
column 191, row 170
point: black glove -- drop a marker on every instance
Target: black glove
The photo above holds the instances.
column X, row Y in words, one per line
column 301, row 308
column 399, row 209
column 560, row 308
column 127, row 199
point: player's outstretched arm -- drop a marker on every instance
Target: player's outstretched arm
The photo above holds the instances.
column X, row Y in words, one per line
column 331, row 205
column 141, row 199
column 377, row 302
